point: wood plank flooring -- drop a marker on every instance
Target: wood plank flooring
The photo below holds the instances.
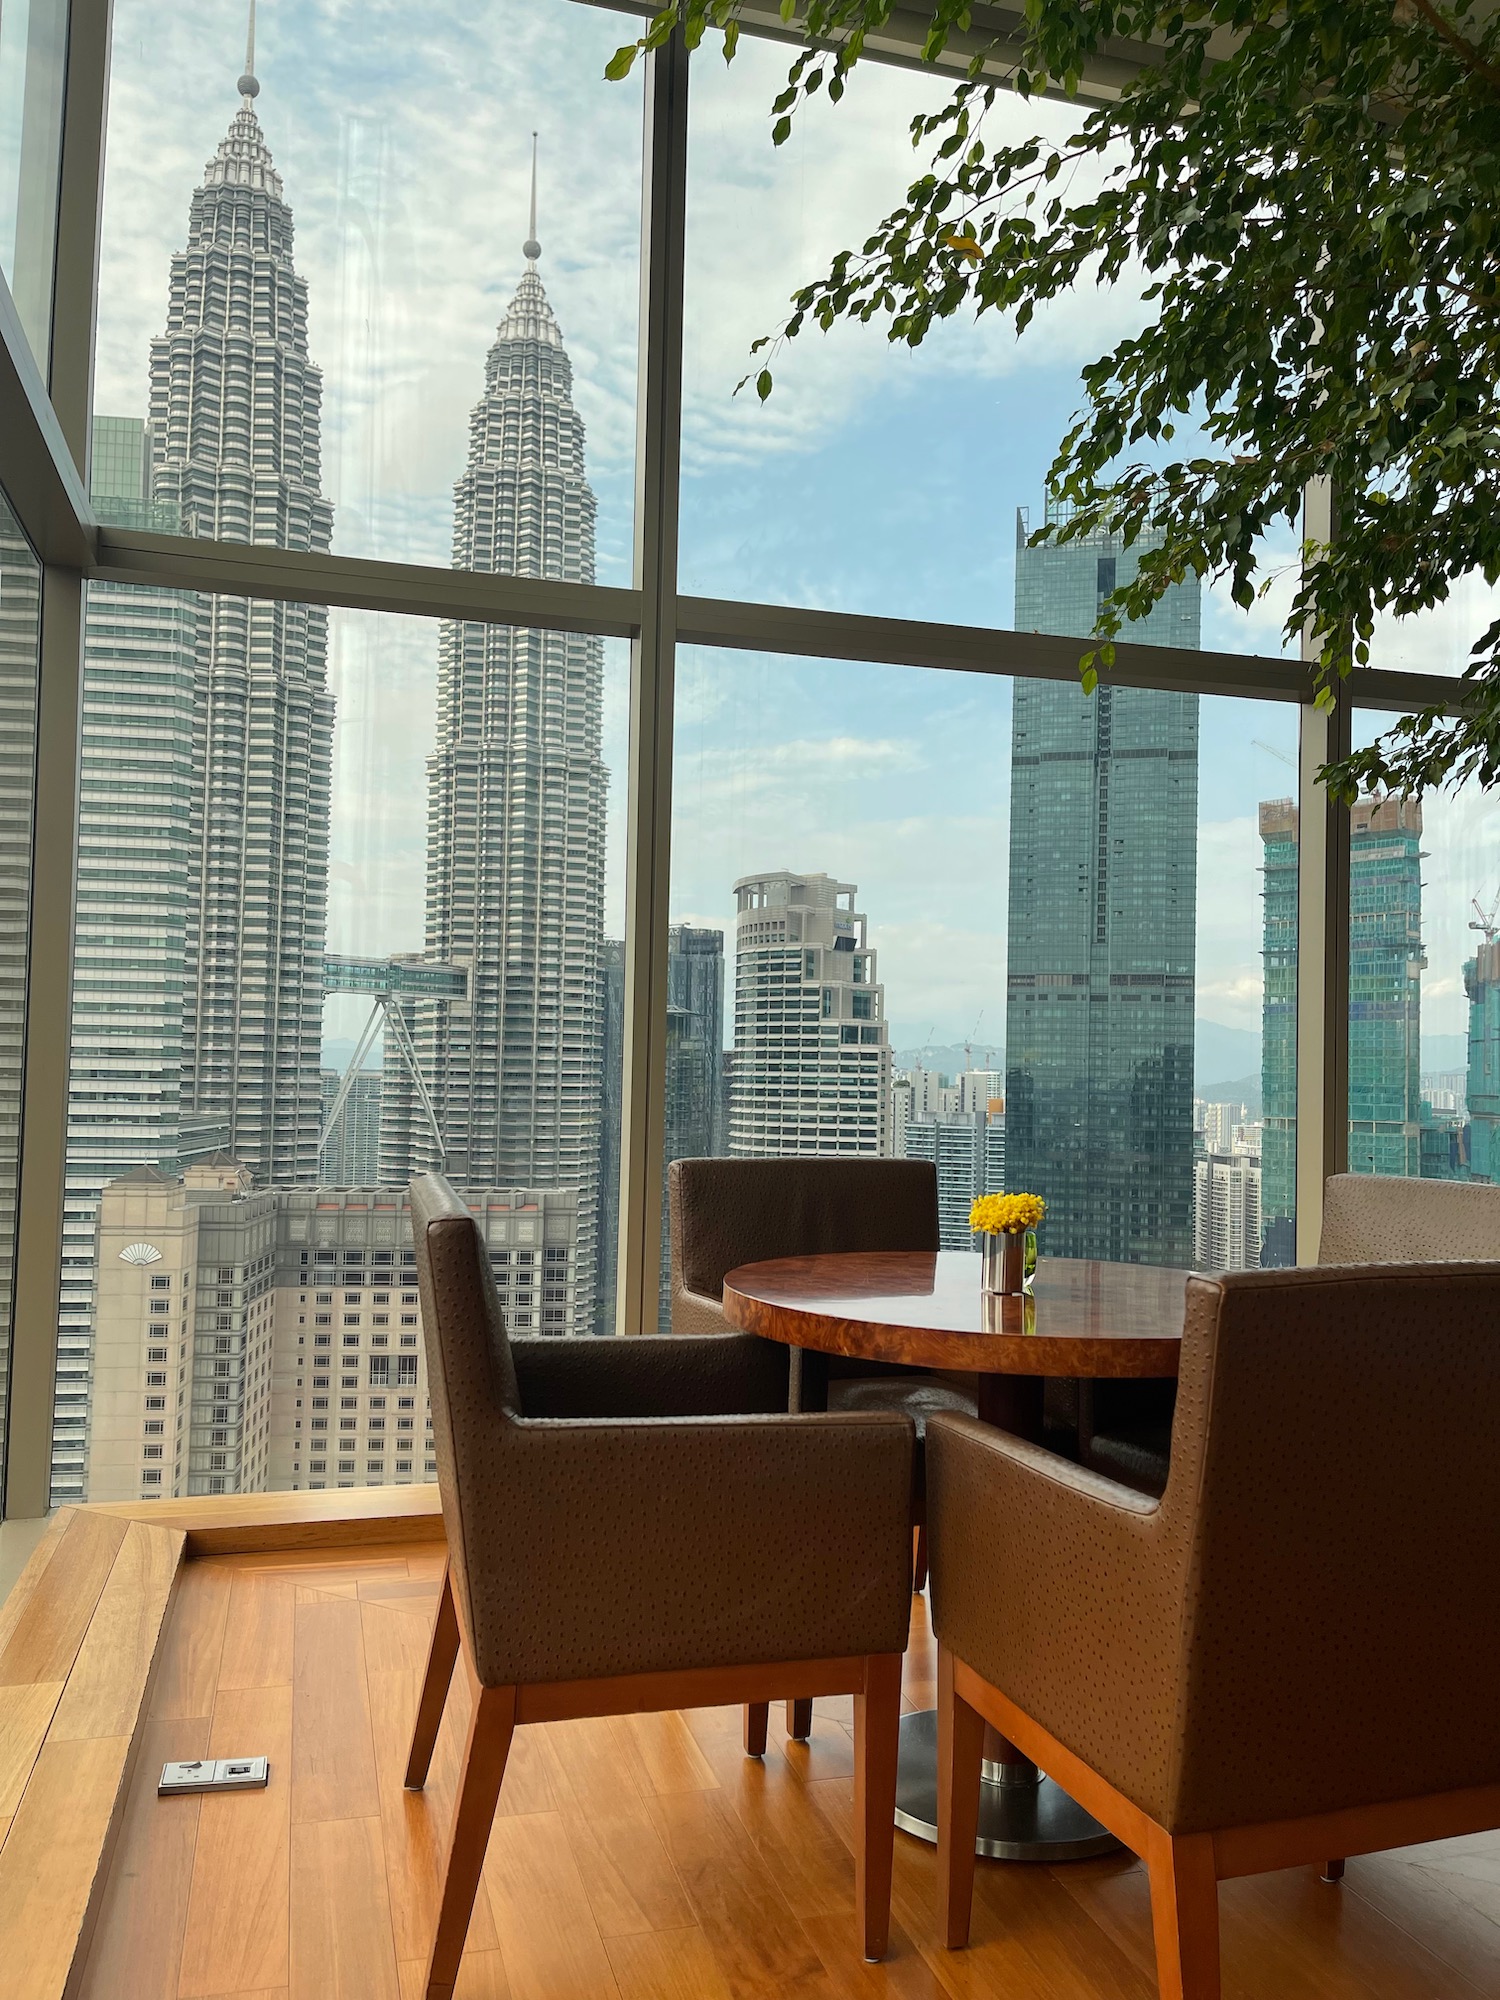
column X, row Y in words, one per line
column 634, row 1858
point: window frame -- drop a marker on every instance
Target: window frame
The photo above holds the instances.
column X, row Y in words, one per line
column 44, row 472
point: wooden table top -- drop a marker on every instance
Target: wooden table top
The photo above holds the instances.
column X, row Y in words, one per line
column 926, row 1308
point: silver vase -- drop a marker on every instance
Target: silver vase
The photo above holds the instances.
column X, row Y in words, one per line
column 1002, row 1266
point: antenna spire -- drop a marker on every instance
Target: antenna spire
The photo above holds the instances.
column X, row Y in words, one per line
column 249, row 86
column 530, row 249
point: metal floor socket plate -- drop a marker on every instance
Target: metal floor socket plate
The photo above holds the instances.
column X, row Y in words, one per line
column 210, row 1774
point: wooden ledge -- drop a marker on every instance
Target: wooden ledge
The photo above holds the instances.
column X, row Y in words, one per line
column 80, row 1638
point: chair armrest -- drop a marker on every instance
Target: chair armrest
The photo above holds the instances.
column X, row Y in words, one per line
column 1063, row 1590
column 650, row 1375
column 640, row 1546
column 696, row 1312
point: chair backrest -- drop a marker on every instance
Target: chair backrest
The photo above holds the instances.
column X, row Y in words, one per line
column 730, row 1212
column 1335, row 1499
column 1381, row 1219
column 471, row 1377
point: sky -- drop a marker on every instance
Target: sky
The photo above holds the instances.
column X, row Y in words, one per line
column 877, row 479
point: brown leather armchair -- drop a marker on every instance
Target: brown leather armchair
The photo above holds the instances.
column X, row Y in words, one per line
column 725, row 1213
column 1126, row 1430
column 1290, row 1654
column 626, row 1533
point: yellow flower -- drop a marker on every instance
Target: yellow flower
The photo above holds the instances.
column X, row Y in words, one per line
column 1006, row 1214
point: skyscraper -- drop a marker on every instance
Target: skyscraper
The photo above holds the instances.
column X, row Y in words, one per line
column 1102, row 926
column 1278, row 1036
column 1482, row 984
column 515, row 816
column 137, row 886
column 694, row 1124
column 1385, row 1004
column 235, row 415
column 812, row 1057
column 351, row 1151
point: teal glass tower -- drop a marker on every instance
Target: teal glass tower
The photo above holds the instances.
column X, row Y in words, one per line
column 1386, row 961
column 1278, row 1038
column 1102, row 926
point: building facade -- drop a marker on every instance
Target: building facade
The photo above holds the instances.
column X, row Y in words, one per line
column 1226, row 1212
column 1482, row 984
column 235, row 420
column 1102, row 926
column 135, row 899
column 1385, row 1005
column 812, row 1058
column 351, row 1150
column 515, row 819
column 269, row 1339
column 696, row 1113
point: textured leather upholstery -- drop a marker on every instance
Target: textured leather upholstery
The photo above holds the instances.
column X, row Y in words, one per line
column 725, row 1213
column 633, row 1538
column 1307, row 1619
column 1375, row 1219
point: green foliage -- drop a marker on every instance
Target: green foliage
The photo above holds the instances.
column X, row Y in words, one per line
column 1313, row 189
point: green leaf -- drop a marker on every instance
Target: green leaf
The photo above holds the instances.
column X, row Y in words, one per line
column 621, row 63
column 763, row 384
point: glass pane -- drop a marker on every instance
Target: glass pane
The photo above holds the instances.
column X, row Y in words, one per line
column 20, row 635
column 1424, row 983
column 1028, row 935
column 345, row 883
column 324, row 384
column 33, row 51
column 1439, row 641
column 877, row 478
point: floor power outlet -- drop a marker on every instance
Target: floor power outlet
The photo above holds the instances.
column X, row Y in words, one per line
column 214, row 1774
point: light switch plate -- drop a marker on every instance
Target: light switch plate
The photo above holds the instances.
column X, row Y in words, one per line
column 211, row 1774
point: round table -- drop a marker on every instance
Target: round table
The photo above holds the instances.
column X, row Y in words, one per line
column 1082, row 1318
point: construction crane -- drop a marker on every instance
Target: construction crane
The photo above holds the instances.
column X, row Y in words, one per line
column 1270, row 749
column 1486, row 924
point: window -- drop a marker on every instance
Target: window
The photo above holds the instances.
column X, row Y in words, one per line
column 406, row 1368
column 380, row 1370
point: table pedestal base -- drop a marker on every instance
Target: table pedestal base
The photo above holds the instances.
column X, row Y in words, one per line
column 1032, row 1819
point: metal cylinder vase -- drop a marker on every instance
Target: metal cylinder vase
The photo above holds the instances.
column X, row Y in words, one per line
column 1003, row 1262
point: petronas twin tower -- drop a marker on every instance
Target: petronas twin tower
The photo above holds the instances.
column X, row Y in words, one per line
column 516, row 785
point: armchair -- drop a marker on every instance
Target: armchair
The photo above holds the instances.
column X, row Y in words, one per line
column 1214, row 1674
column 609, row 1552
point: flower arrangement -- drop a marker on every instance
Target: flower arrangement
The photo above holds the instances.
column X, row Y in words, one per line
column 1006, row 1214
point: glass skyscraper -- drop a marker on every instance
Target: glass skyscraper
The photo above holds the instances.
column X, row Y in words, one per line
column 1102, row 926
column 1386, row 961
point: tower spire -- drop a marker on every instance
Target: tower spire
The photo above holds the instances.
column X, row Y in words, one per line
column 530, row 249
column 249, row 85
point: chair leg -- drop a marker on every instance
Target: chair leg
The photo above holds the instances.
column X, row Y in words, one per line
column 877, row 1740
column 960, row 1757
column 1333, row 1871
column 799, row 1719
column 919, row 1562
column 441, row 1655
column 491, row 1727
column 757, row 1724
column 1185, row 1917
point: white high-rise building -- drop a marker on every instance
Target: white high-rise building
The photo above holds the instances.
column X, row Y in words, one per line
column 515, row 819
column 1226, row 1212
column 812, row 1057
column 235, row 416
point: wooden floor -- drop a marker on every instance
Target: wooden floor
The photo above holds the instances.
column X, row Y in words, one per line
column 637, row 1859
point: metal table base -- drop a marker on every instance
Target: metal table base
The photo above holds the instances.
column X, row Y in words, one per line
column 1022, row 1815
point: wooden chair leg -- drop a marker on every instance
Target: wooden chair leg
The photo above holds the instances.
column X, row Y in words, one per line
column 1185, row 1917
column 1333, row 1871
column 491, row 1726
column 877, row 1741
column 799, row 1719
column 960, row 1757
column 441, row 1655
column 757, row 1724
column 919, row 1562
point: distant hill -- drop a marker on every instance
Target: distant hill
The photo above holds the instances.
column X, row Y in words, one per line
column 1234, row 1090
